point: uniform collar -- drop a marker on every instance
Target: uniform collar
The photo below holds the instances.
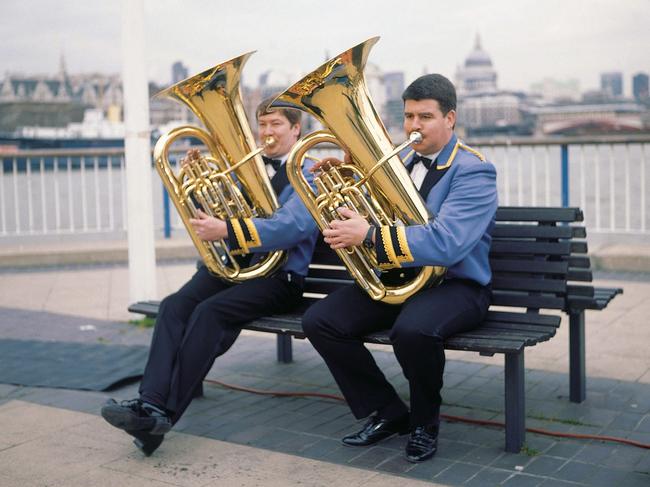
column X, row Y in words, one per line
column 448, row 153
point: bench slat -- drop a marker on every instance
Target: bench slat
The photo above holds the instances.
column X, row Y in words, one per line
column 528, row 248
column 550, row 214
column 515, row 326
column 503, row 230
column 507, row 298
column 608, row 291
column 533, row 318
column 580, row 304
column 580, row 275
column 529, row 338
column 579, row 247
column 529, row 284
column 147, row 308
column 528, row 266
column 574, row 290
column 463, row 342
column 276, row 326
column 579, row 261
column 490, row 346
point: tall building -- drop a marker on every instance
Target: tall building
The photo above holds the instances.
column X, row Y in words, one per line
column 179, row 72
column 392, row 112
column 165, row 113
column 612, row 83
column 640, row 87
column 394, row 85
column 551, row 90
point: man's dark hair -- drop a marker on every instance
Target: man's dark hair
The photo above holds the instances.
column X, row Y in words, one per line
column 294, row 116
column 432, row 87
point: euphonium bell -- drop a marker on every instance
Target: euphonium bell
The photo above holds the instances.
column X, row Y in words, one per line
column 210, row 183
column 375, row 184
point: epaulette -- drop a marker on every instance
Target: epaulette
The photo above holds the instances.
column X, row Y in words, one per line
column 473, row 151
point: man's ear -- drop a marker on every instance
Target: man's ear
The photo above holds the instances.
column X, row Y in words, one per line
column 451, row 119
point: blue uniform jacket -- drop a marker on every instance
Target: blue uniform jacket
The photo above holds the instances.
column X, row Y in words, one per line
column 290, row 228
column 463, row 206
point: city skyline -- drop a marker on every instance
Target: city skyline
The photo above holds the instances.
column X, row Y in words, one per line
column 525, row 40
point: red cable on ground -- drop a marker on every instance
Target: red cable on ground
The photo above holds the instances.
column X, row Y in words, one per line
column 275, row 393
column 448, row 417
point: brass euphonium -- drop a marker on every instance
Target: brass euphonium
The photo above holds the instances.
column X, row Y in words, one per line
column 375, row 184
column 211, row 182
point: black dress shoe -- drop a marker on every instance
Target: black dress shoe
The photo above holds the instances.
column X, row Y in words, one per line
column 136, row 415
column 146, row 442
column 377, row 429
column 422, row 444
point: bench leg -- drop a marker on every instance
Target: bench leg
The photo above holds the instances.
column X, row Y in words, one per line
column 577, row 376
column 515, row 402
column 285, row 352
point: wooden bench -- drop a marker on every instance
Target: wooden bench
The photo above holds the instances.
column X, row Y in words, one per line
column 535, row 253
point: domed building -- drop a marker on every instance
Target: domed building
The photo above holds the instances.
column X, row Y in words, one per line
column 483, row 109
column 477, row 75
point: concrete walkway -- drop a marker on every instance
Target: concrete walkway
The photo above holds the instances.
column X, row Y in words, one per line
column 55, row 437
column 43, row 445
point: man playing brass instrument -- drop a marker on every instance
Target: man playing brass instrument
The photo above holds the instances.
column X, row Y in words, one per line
column 459, row 189
column 202, row 320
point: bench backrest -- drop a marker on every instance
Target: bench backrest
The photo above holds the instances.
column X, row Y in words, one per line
column 534, row 253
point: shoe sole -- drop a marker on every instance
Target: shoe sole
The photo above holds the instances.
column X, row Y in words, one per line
column 128, row 421
column 420, row 460
column 146, row 442
column 399, row 433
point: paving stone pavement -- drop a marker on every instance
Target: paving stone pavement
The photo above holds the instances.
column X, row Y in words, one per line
column 55, row 436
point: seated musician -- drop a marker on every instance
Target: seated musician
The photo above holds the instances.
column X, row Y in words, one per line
column 459, row 189
column 202, row 320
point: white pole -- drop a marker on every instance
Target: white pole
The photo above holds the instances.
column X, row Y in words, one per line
column 140, row 228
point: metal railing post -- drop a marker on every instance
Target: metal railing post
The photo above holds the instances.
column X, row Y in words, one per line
column 565, row 174
column 166, row 214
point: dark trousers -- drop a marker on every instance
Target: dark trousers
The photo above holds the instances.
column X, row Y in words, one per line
column 335, row 326
column 201, row 322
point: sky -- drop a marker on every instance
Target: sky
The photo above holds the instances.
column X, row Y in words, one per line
column 526, row 40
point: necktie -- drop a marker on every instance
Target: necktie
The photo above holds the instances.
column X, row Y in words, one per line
column 418, row 158
column 275, row 163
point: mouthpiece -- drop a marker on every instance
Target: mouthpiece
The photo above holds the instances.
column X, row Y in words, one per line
column 415, row 137
column 269, row 141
